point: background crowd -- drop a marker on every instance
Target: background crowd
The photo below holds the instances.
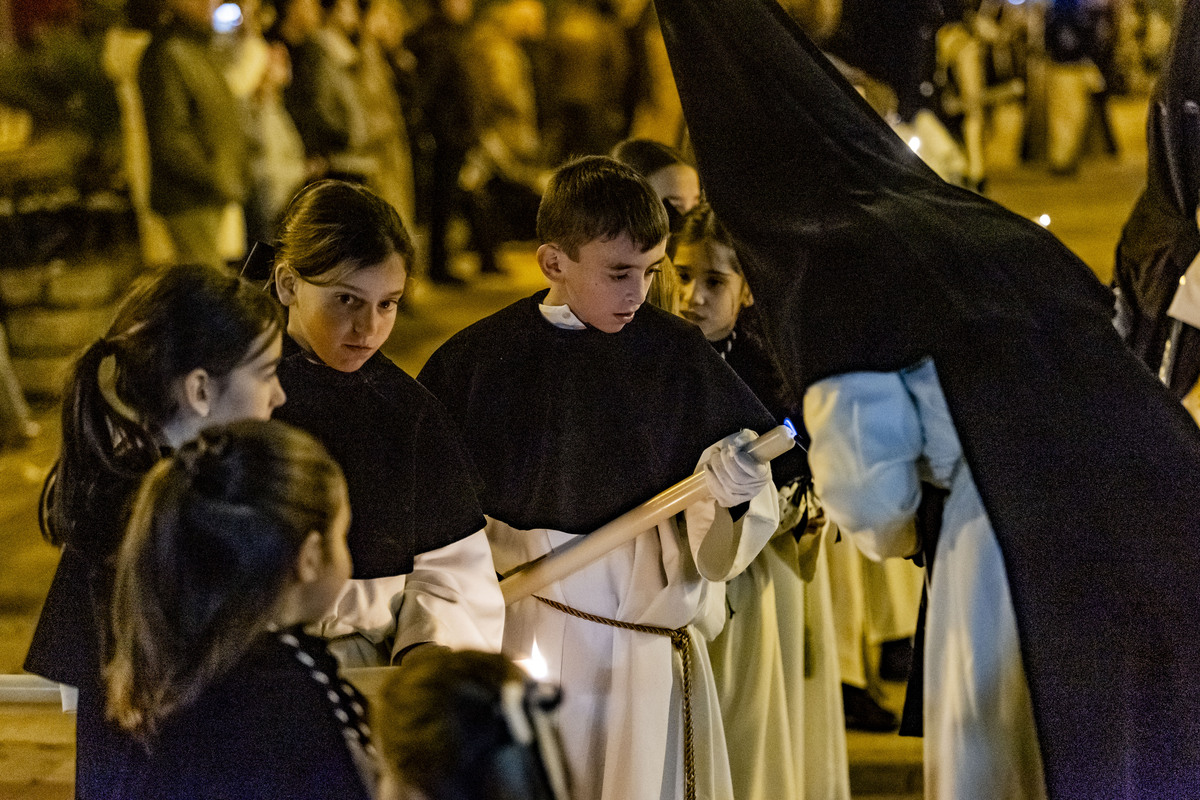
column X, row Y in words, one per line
column 455, row 113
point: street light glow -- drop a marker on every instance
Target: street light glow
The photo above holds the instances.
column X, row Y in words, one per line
column 227, row 17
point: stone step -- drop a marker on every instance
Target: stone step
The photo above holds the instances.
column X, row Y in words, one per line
column 43, row 377
column 37, row 332
column 90, row 282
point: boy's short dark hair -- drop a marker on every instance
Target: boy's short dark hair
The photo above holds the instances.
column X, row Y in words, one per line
column 596, row 197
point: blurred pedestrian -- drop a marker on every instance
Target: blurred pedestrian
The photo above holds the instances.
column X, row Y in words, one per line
column 590, row 52
column 326, row 98
column 1161, row 239
column 447, row 129
column 198, row 151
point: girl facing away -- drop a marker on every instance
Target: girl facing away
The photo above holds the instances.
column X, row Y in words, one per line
column 423, row 568
column 234, row 544
column 775, row 660
column 190, row 346
column 677, row 184
column 469, row 725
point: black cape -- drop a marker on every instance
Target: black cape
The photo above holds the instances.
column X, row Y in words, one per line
column 861, row 259
column 74, row 631
column 1161, row 238
column 748, row 354
column 265, row 730
column 571, row 428
column 411, row 489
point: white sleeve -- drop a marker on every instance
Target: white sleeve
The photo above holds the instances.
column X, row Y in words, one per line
column 366, row 607
column 723, row 548
column 452, row 598
column 866, row 440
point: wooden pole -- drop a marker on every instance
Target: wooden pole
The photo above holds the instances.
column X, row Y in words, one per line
column 584, row 550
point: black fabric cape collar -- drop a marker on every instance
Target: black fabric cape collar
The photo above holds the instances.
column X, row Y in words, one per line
column 860, row 259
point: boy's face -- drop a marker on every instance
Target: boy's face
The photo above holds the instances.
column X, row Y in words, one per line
column 712, row 291
column 345, row 322
column 606, row 285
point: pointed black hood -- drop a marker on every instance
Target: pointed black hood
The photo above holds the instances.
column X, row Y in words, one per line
column 1161, row 238
column 861, row 259
column 826, row 198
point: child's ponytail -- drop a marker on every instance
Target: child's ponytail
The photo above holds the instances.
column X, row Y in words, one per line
column 92, row 421
column 122, row 390
column 212, row 543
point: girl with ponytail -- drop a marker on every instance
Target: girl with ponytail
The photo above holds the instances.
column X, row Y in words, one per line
column 234, row 544
column 190, row 346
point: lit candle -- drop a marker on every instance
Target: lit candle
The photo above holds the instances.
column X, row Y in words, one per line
column 535, row 665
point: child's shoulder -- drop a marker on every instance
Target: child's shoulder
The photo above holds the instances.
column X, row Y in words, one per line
column 670, row 333
column 497, row 329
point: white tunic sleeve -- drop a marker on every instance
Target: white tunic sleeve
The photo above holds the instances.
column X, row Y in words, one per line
column 866, row 442
column 723, row 548
column 452, row 598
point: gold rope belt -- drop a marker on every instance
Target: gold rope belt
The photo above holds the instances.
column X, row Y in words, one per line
column 682, row 643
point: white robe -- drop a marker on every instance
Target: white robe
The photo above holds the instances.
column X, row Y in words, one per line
column 875, row 436
column 621, row 717
column 451, row 598
column 873, row 602
column 785, row 728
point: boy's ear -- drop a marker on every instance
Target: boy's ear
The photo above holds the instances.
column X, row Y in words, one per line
column 197, row 389
column 285, row 284
column 550, row 258
column 311, row 561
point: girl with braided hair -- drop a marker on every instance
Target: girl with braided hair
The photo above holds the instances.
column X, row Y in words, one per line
column 234, row 544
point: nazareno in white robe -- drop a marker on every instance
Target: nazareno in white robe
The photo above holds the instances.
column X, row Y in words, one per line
column 621, row 716
column 875, row 436
column 778, row 682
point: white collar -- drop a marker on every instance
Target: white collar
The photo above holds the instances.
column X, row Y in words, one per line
column 561, row 317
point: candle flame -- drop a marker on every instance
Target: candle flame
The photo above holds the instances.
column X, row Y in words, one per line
column 535, row 665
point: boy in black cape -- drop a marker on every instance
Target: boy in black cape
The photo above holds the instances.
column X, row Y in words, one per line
column 577, row 404
column 1071, row 470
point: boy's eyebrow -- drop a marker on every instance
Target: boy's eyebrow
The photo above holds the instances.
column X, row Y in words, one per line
column 626, row 267
column 357, row 290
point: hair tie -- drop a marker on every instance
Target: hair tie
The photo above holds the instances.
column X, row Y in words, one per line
column 260, row 263
column 197, row 456
column 105, row 348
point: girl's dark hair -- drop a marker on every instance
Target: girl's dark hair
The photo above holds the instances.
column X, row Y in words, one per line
column 333, row 224
column 213, row 540
column 122, row 390
column 441, row 729
column 701, row 225
column 648, row 156
column 596, row 197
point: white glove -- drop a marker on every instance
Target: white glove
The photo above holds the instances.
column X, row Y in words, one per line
column 732, row 476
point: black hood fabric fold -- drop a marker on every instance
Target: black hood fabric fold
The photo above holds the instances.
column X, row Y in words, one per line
column 861, row 259
column 1161, row 237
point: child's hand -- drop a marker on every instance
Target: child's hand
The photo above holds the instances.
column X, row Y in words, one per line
column 732, row 476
